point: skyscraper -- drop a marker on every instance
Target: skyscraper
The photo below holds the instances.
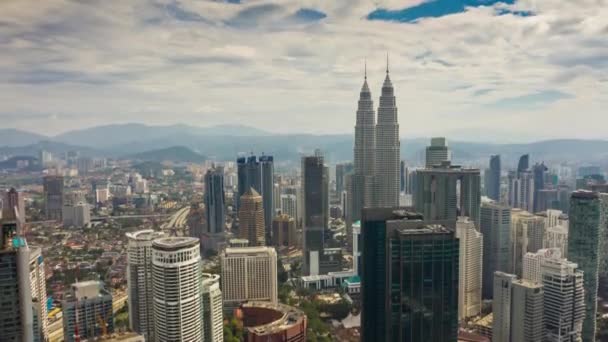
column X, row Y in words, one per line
column 387, row 148
column 140, row 281
column 495, row 225
column 53, row 197
column 501, row 306
column 583, row 249
column 289, row 206
column 177, row 279
column 523, row 164
column 448, row 191
column 88, row 306
column 403, row 176
column 533, row 263
column 404, row 297
column 248, row 273
column 13, row 200
column 267, row 177
column 39, row 296
column 437, row 153
column 539, row 172
column 492, row 177
column 342, row 170
column 564, row 303
column 470, row 271
column 521, row 190
column 213, row 319
column 362, row 181
column 527, row 235
column 251, row 218
column 16, row 309
column 215, row 201
column 315, row 195
column 284, row 231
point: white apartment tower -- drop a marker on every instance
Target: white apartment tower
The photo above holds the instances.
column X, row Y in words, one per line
column 177, row 279
column 139, row 281
column 527, row 235
column 470, row 272
column 564, row 304
column 213, row 319
column 387, row 148
column 248, row 273
column 532, row 269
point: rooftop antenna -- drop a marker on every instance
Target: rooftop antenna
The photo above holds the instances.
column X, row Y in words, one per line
column 387, row 62
column 365, row 68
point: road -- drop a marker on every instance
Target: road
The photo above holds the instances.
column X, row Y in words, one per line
column 178, row 221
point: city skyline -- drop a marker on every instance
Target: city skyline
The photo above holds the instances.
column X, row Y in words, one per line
column 460, row 67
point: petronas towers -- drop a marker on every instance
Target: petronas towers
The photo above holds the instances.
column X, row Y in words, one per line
column 375, row 182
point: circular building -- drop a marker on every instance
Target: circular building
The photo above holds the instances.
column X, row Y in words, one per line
column 268, row 322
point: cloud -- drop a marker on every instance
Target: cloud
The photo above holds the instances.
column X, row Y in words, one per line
column 296, row 66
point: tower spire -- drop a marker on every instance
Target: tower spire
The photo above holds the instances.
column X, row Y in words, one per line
column 365, row 68
column 387, row 63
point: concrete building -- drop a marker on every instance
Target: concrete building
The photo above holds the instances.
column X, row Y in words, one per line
column 342, row 170
column 11, row 201
column 564, row 302
column 584, row 238
column 177, row 289
column 388, row 148
column 527, row 234
column 495, row 225
column 390, row 238
column 39, row 296
column 258, row 174
column 269, row 322
column 470, row 268
column 140, row 281
column 248, row 273
column 284, row 231
column 357, row 243
column 87, row 306
column 289, row 206
column 213, row 318
column 521, row 190
column 527, row 312
column 315, row 191
column 502, row 306
column 447, row 191
column 215, row 200
column 437, row 153
column 53, row 197
column 251, row 218
column 533, row 262
column 76, row 215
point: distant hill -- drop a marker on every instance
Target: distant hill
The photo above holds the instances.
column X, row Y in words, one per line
column 10, row 137
column 13, row 163
column 56, row 148
column 179, row 154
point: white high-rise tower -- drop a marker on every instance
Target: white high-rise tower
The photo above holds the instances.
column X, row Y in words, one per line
column 362, row 182
column 387, row 148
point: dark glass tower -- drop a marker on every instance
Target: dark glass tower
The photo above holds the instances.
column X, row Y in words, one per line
column 258, row 174
column 249, row 175
column 409, row 277
column 539, row 171
column 493, row 178
column 523, row 164
column 583, row 249
column 215, row 200
column 495, row 225
column 267, row 177
column 315, row 195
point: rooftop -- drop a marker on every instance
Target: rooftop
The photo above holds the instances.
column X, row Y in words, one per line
column 290, row 317
column 145, row 235
column 175, row 243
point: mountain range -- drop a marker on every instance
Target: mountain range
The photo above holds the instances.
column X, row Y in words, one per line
column 227, row 141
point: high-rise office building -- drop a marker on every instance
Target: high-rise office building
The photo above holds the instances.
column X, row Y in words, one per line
column 362, row 180
column 140, row 281
column 437, row 153
column 289, row 206
column 53, row 197
column 583, row 249
column 284, row 231
column 603, row 271
column 501, row 306
column 527, row 323
column 470, row 271
column 39, row 296
column 248, row 273
column 533, row 262
column 539, row 172
column 495, row 225
column 251, row 218
column 249, row 176
column 404, row 298
column 315, row 191
column 16, row 306
column 88, row 306
column 342, row 170
column 387, row 148
column 267, row 170
column 13, row 200
column 524, row 163
column 521, row 190
column 215, row 201
column 527, row 235
column 492, row 178
column 564, row 303
column 177, row 281
column 213, row 318
column 448, row 191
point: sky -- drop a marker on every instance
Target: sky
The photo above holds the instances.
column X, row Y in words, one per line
column 477, row 70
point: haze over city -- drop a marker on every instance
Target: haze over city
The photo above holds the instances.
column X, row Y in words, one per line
column 480, row 70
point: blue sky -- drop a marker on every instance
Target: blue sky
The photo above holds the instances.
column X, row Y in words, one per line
column 508, row 70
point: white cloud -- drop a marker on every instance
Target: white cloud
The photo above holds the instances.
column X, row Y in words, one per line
column 170, row 62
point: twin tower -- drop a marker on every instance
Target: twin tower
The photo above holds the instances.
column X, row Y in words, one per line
column 375, row 181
